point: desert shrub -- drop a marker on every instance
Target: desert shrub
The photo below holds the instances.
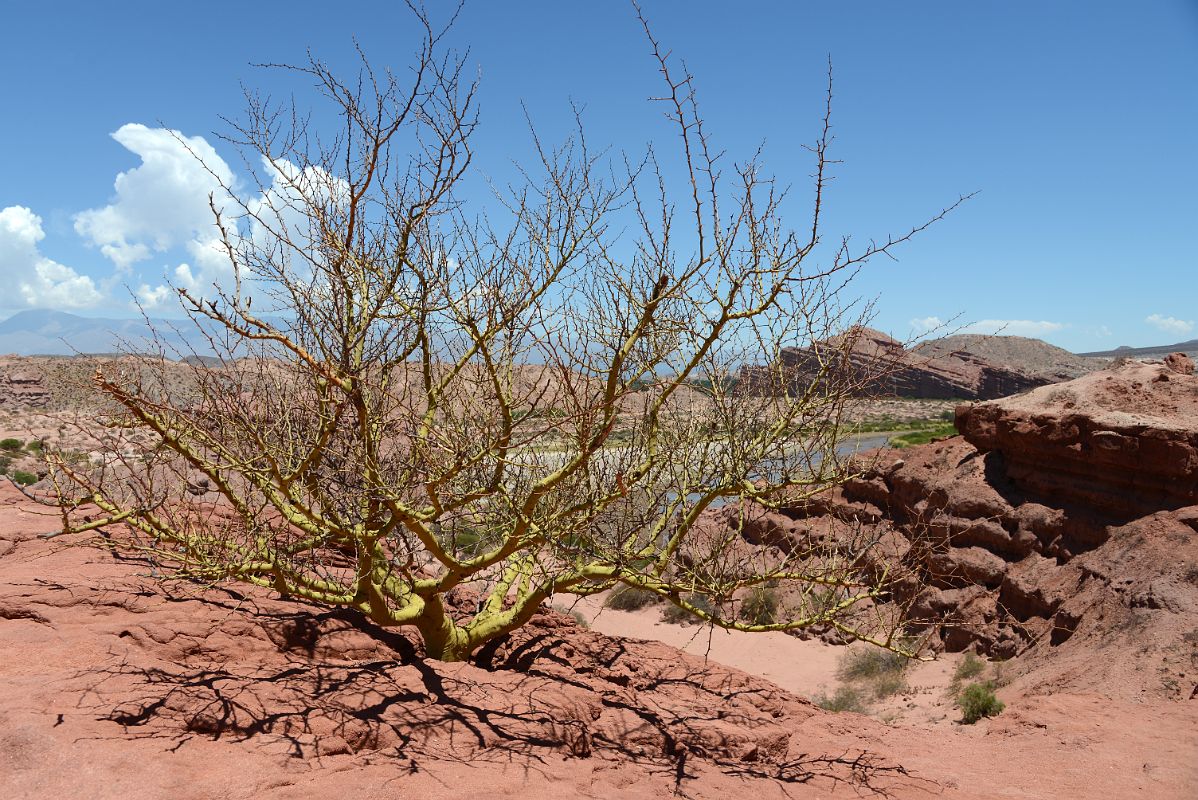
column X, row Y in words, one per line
column 371, row 263
column 888, row 684
column 883, row 672
column 630, row 598
column 760, row 607
column 676, row 615
column 822, row 599
column 23, row 478
column 35, row 446
column 540, row 413
column 574, row 614
column 11, row 444
column 970, row 667
column 869, row 663
column 465, row 541
column 977, row 701
column 1002, row 676
column 898, row 425
column 846, row 698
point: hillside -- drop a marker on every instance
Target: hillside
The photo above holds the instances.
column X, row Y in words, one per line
column 1190, row 348
column 961, row 367
column 1032, row 356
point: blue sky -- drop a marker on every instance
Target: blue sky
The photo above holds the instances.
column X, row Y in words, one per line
column 1076, row 123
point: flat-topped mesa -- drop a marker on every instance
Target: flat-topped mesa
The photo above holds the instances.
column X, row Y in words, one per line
column 879, row 365
column 1123, row 440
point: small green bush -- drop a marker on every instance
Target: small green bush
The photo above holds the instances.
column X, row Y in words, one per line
column 23, row 478
column 977, row 701
column 760, row 607
column 970, row 667
column 466, row 542
column 540, row 413
column 822, row 600
column 676, row 615
column 940, row 431
column 882, row 671
column 35, row 446
column 630, row 598
column 11, row 444
column 847, row 698
column 870, row 663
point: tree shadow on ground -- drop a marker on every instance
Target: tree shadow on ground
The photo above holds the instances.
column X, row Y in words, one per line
column 540, row 694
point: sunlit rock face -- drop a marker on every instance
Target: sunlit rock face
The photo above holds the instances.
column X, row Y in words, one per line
column 880, row 366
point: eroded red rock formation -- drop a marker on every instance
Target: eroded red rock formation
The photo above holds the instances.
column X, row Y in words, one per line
column 1123, row 441
column 1070, row 511
column 879, row 365
column 23, row 388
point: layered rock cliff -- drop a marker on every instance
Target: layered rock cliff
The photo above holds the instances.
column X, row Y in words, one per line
column 1070, row 511
column 1122, row 441
column 874, row 364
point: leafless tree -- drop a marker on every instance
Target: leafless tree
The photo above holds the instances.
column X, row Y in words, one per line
column 415, row 403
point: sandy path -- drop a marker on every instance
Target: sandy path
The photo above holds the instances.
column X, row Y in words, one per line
column 806, row 667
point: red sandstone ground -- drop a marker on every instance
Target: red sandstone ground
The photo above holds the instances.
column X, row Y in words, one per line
column 112, row 690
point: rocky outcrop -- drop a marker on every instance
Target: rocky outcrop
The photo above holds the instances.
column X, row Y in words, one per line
column 1069, row 512
column 1180, row 363
column 23, row 389
column 868, row 362
column 1123, row 441
column 1031, row 356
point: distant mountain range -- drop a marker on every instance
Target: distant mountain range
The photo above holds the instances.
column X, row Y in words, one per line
column 1189, row 348
column 44, row 332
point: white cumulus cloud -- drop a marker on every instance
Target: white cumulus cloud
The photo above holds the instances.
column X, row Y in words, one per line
column 153, row 297
column 162, row 205
column 989, row 327
column 1172, row 325
column 161, row 210
column 276, row 221
column 209, row 266
column 163, row 202
column 36, row 279
column 283, row 210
